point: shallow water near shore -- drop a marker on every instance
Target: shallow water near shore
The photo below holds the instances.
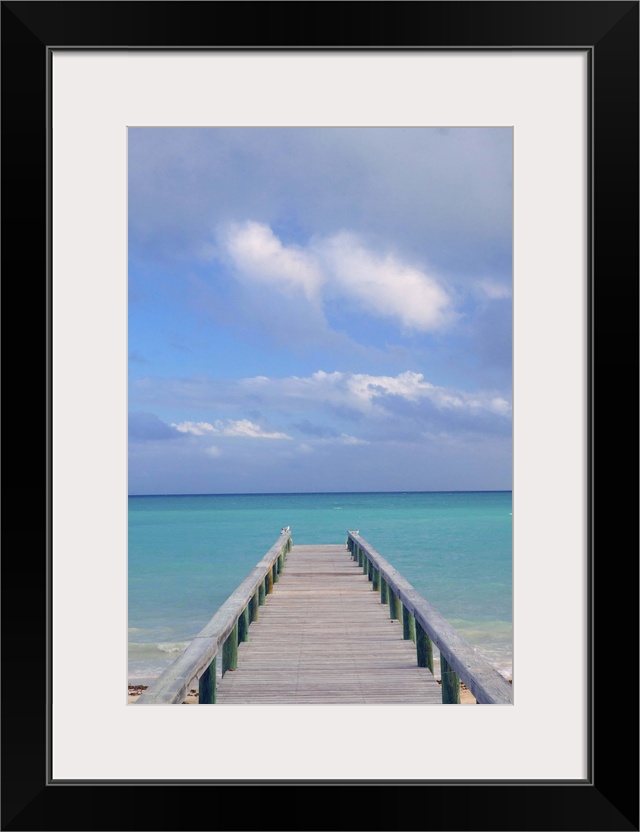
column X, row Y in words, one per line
column 186, row 555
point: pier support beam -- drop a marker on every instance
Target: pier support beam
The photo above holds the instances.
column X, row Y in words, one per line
column 254, row 603
column 394, row 612
column 243, row 625
column 207, row 685
column 408, row 625
column 230, row 651
column 450, row 683
column 424, row 648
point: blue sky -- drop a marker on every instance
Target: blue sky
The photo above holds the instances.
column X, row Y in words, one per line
column 319, row 309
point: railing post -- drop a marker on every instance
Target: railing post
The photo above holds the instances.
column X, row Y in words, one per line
column 393, row 605
column 207, row 685
column 376, row 579
column 370, row 569
column 243, row 625
column 230, row 651
column 365, row 565
column 274, row 571
column 408, row 625
column 269, row 582
column 262, row 592
column 424, row 648
column 360, row 556
column 384, row 591
column 254, row 603
column 450, row 683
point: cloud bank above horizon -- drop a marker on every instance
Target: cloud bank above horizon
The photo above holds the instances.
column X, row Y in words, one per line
column 302, row 300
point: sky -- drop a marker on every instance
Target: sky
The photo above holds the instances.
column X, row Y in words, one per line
column 319, row 309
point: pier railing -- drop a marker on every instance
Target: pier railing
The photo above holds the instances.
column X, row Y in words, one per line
column 228, row 627
column 422, row 623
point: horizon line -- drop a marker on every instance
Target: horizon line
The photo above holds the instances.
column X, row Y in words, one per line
column 303, row 493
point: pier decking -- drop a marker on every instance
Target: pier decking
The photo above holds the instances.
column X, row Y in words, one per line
column 324, row 637
column 339, row 625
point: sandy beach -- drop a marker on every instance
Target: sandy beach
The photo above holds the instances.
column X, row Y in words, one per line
column 134, row 691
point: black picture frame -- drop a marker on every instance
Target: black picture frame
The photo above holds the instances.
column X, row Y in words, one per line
column 608, row 798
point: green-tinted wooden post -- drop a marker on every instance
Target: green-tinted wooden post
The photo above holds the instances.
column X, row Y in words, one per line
column 408, row 625
column 450, row 683
column 230, row 651
column 254, row 603
column 393, row 605
column 365, row 565
column 243, row 625
column 207, row 685
column 262, row 592
column 269, row 582
column 370, row 569
column 360, row 556
column 424, row 648
column 280, row 562
column 384, row 591
column 274, row 570
column 376, row 579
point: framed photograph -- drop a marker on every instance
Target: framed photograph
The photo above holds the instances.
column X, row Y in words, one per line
column 83, row 82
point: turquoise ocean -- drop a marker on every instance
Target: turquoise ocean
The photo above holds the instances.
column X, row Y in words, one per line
column 186, row 555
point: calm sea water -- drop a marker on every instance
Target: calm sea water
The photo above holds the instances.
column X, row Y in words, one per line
column 188, row 553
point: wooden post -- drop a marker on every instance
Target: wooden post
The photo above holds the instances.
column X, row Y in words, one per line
column 280, row 562
column 269, row 582
column 365, row 565
column 393, row 605
column 207, row 685
column 230, row 651
column 450, row 683
column 262, row 592
column 274, row 570
column 424, row 648
column 384, row 591
column 243, row 625
column 376, row 579
column 370, row 569
column 360, row 556
column 408, row 625
column 254, row 603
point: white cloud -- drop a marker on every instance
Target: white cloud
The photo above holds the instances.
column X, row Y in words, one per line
column 384, row 285
column 228, row 427
column 342, row 267
column 213, row 451
column 195, row 428
column 321, row 391
column 366, row 392
column 259, row 255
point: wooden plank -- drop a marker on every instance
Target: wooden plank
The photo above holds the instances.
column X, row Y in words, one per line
column 323, row 637
column 483, row 680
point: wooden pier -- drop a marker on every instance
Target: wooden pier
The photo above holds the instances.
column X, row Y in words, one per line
column 338, row 625
column 324, row 637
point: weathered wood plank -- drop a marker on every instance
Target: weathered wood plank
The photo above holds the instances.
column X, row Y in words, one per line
column 483, row 680
column 323, row 637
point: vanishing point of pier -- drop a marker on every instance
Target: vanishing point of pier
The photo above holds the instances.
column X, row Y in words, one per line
column 327, row 624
